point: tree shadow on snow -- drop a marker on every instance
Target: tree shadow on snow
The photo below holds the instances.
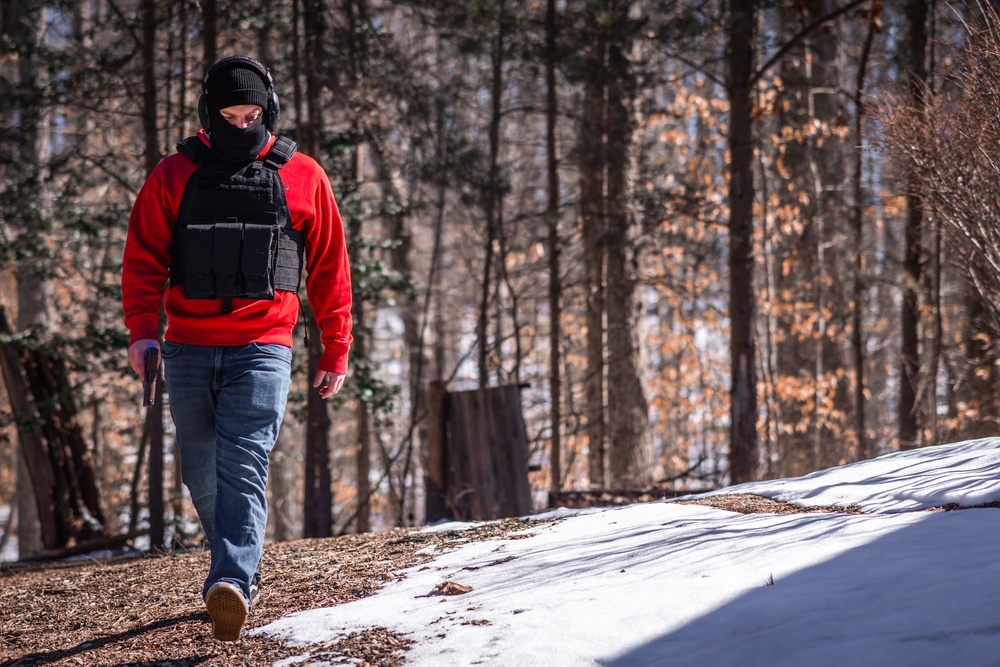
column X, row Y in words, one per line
column 925, row 594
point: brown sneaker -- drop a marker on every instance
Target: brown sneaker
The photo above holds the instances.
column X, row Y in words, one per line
column 228, row 609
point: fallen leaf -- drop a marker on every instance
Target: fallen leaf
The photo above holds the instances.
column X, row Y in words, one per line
column 452, row 588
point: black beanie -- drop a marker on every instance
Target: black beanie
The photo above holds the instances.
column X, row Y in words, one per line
column 236, row 85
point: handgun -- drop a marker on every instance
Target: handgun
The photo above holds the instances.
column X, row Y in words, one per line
column 152, row 363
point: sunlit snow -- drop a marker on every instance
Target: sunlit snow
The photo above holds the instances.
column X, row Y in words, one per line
column 670, row 584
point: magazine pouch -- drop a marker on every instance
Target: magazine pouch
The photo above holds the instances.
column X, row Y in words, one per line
column 226, row 250
column 198, row 280
column 257, row 260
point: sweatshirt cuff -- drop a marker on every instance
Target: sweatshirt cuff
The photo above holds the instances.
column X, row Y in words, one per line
column 143, row 327
column 334, row 359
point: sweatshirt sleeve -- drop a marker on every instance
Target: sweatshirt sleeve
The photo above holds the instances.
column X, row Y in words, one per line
column 328, row 279
column 145, row 265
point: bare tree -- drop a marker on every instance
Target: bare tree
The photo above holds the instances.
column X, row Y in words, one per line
column 318, row 498
column 630, row 454
column 209, row 31
column 152, row 157
column 948, row 145
column 592, row 159
column 857, row 224
column 909, row 434
column 811, row 243
column 740, row 28
column 554, row 249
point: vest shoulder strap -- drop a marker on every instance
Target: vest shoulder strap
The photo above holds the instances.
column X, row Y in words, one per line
column 195, row 149
column 281, row 152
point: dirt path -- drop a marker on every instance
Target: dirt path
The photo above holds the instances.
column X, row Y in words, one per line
column 147, row 611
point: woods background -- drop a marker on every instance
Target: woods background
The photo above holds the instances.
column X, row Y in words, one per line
column 666, row 221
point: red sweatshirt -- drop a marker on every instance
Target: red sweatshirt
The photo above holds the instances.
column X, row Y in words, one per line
column 145, row 268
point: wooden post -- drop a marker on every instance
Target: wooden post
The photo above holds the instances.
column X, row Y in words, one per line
column 476, row 454
column 512, row 489
column 488, row 454
column 435, row 454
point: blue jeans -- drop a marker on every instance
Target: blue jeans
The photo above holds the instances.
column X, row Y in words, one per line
column 227, row 404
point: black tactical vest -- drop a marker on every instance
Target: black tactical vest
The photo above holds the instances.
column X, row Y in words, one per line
column 233, row 237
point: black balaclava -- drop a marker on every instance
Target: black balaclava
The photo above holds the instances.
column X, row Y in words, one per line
column 234, row 86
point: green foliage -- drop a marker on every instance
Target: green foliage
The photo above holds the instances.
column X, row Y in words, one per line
column 373, row 280
column 374, row 283
column 378, row 395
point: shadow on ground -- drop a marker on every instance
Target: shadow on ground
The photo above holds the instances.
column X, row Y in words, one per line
column 899, row 600
column 48, row 657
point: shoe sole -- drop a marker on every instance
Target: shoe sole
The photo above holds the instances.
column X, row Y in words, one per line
column 228, row 611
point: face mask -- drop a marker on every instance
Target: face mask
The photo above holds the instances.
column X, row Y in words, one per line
column 236, row 144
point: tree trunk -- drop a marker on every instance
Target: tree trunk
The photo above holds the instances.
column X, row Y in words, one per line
column 285, row 513
column 209, row 32
column 811, row 267
column 630, row 455
column 492, row 205
column 151, row 159
column 398, row 228
column 433, row 434
column 296, row 73
column 315, row 23
column 362, row 375
column 24, row 83
column 981, row 370
column 31, row 534
column 740, row 57
column 182, row 74
column 592, row 214
column 909, row 417
column 554, row 250
column 857, row 219
column 827, row 155
column 56, row 455
column 363, row 366
column 37, row 525
column 363, row 451
column 318, row 498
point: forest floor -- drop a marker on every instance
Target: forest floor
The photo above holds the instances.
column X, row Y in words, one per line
column 147, row 611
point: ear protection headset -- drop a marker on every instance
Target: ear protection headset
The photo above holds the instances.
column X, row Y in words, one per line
column 273, row 108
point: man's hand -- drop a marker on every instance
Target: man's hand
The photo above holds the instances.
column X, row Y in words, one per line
column 137, row 354
column 332, row 387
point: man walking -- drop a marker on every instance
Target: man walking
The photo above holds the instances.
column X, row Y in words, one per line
column 219, row 235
